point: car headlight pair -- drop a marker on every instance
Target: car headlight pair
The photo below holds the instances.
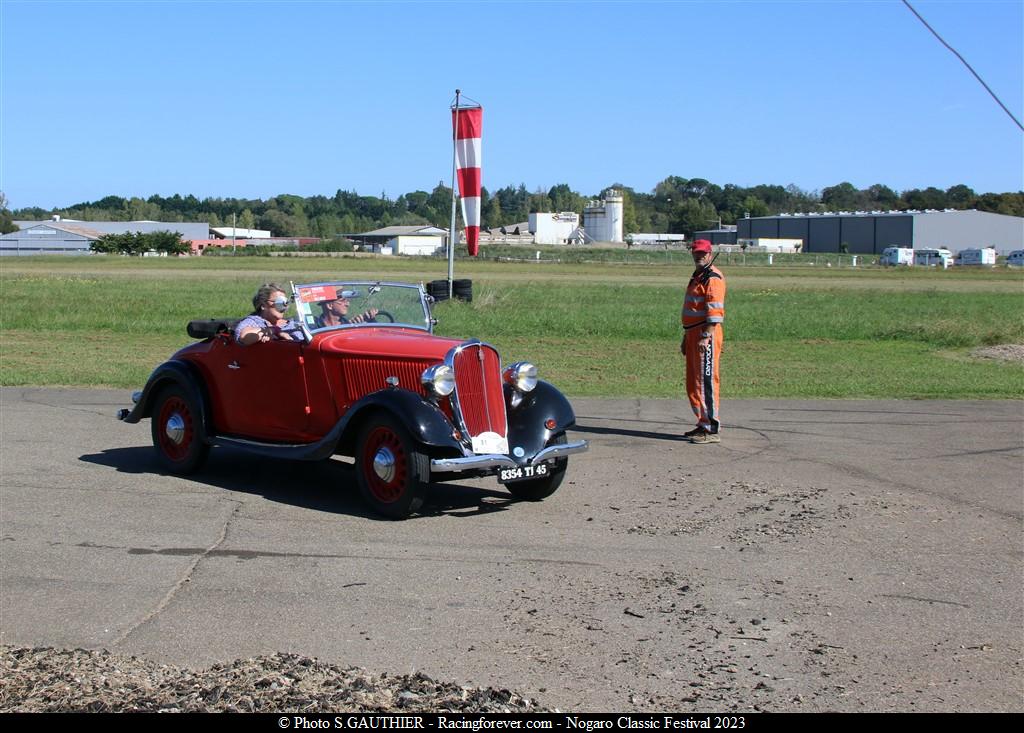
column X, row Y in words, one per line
column 439, row 380
column 522, row 376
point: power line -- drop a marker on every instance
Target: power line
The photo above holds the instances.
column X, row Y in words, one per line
column 964, row 61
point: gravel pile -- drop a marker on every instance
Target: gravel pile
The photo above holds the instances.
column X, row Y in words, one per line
column 59, row 680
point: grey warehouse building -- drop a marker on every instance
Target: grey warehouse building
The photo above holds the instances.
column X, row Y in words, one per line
column 870, row 232
column 68, row 236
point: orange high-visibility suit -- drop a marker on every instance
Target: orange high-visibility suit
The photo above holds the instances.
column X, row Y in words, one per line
column 703, row 314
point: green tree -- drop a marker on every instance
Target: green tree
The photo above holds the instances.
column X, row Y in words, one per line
column 301, row 221
column 929, row 198
column 246, row 220
column 841, row 197
column 164, row 241
column 492, row 214
column 564, row 198
column 539, row 202
column 691, row 215
column 754, row 206
column 277, row 222
column 961, row 196
column 7, row 224
column 882, row 197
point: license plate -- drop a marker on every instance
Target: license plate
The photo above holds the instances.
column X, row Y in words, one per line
column 522, row 473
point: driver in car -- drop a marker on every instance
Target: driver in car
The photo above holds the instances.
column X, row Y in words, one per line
column 267, row 321
column 335, row 313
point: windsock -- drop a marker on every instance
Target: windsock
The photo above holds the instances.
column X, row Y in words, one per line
column 467, row 124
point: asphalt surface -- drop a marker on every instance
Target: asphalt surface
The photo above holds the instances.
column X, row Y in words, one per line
column 828, row 555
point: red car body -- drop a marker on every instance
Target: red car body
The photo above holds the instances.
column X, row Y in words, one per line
column 361, row 391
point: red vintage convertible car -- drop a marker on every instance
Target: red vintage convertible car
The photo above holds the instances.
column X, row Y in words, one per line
column 410, row 407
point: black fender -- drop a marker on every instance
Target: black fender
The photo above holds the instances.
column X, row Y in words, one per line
column 174, row 371
column 425, row 421
column 526, row 420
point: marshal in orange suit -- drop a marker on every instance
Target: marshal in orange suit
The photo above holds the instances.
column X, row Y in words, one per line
column 703, row 315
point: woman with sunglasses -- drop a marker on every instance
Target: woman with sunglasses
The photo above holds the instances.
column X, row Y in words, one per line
column 267, row 321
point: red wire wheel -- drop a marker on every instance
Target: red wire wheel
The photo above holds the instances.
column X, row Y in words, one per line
column 392, row 473
column 177, row 428
column 385, row 464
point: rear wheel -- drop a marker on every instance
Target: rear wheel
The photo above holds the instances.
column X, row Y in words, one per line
column 392, row 474
column 542, row 488
column 178, row 433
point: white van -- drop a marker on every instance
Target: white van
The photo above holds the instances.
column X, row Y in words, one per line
column 1015, row 258
column 897, row 256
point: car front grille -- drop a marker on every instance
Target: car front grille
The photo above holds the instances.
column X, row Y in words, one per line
column 478, row 389
column 365, row 375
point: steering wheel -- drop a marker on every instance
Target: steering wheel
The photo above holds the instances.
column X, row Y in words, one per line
column 384, row 314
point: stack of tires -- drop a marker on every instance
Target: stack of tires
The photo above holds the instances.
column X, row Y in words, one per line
column 461, row 289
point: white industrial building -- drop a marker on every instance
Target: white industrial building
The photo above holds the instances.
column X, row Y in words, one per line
column 404, row 240
column 548, row 228
column 239, row 233
column 602, row 220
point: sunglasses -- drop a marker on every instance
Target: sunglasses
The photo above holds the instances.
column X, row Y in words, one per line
column 279, row 303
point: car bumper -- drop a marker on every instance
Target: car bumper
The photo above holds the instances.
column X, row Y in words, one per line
column 489, row 461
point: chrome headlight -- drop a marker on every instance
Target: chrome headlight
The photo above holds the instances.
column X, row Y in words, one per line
column 439, row 379
column 522, row 375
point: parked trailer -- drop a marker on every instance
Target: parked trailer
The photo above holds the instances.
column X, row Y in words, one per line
column 977, row 257
column 893, row 256
column 1015, row 258
column 933, row 257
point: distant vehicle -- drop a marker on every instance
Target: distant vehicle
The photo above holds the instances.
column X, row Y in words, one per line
column 977, row 257
column 933, row 257
column 893, row 256
column 1015, row 258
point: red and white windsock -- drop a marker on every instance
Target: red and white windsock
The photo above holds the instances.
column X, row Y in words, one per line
column 467, row 124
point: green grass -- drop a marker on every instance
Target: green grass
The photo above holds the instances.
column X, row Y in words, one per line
column 593, row 329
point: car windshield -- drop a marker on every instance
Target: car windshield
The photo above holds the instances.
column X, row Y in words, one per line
column 329, row 305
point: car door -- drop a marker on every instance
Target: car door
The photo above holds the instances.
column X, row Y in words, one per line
column 261, row 391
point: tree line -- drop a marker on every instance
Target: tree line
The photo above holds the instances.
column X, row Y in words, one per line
column 137, row 243
column 676, row 205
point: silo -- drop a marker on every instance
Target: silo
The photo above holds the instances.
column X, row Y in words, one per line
column 602, row 220
column 613, row 214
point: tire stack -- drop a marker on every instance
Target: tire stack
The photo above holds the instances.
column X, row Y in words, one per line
column 461, row 289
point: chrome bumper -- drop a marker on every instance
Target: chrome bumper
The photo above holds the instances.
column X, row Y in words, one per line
column 125, row 412
column 495, row 460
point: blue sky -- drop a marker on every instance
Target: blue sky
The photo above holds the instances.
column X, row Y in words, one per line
column 254, row 99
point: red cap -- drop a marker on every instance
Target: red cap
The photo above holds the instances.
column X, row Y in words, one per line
column 701, row 245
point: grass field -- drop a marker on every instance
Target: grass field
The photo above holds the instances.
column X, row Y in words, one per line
column 596, row 329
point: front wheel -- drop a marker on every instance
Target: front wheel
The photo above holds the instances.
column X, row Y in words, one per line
column 542, row 488
column 392, row 475
column 178, row 433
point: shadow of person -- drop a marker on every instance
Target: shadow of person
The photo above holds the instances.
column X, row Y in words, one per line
column 625, row 433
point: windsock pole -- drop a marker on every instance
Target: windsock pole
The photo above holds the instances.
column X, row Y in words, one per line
column 452, row 235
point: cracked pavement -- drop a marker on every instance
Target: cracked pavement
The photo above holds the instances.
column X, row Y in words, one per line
column 828, row 555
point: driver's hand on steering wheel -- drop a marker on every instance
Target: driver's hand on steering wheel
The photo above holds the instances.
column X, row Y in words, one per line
column 366, row 316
